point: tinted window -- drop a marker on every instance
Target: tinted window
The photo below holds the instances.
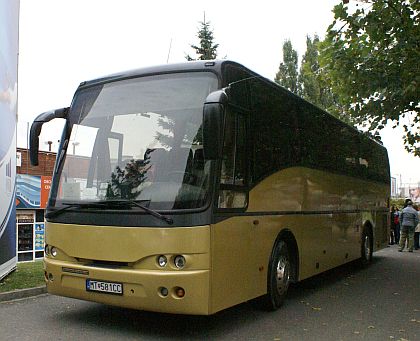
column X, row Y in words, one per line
column 373, row 161
column 287, row 131
column 274, row 129
column 327, row 143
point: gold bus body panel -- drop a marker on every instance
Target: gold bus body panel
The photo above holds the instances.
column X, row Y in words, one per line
column 303, row 189
column 126, row 244
column 325, row 219
column 227, row 262
column 326, row 213
column 131, row 253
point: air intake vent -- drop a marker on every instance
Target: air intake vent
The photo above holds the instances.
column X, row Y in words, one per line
column 75, row 271
column 108, row 264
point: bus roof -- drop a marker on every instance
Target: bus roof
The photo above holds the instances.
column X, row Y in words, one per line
column 215, row 66
column 204, row 65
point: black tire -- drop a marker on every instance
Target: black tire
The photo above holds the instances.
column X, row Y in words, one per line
column 279, row 276
column 366, row 252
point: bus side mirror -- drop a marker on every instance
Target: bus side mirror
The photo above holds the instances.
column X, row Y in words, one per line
column 213, row 116
column 36, row 130
column 212, row 131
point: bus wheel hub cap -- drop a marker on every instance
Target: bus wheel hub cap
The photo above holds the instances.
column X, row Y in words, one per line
column 282, row 275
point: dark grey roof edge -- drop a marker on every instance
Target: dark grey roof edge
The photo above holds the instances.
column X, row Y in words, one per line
column 204, row 65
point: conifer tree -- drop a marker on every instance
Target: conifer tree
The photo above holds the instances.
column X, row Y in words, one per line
column 207, row 49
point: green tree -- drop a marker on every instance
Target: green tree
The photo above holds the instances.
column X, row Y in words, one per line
column 124, row 182
column 314, row 82
column 309, row 72
column 373, row 61
column 207, row 49
column 287, row 76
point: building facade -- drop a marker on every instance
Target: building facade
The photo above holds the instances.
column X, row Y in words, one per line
column 32, row 191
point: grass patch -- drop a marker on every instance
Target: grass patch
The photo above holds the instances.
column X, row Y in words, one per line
column 26, row 275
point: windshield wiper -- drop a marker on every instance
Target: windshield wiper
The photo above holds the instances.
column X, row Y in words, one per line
column 110, row 204
column 136, row 203
column 72, row 205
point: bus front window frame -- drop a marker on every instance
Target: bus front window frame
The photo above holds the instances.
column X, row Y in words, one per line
column 100, row 112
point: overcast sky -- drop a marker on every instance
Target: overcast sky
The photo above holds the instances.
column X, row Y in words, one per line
column 64, row 42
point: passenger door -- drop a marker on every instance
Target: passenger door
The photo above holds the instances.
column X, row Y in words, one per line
column 231, row 234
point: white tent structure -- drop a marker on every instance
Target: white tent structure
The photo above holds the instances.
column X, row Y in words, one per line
column 9, row 28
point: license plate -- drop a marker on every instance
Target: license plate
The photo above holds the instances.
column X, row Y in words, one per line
column 105, row 287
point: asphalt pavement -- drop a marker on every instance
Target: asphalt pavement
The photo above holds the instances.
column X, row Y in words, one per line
column 381, row 302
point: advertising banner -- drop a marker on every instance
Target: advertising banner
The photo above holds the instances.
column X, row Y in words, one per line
column 415, row 194
column 45, row 190
column 32, row 191
column 39, row 236
column 9, row 23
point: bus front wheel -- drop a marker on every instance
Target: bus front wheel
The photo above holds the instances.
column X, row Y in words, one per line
column 279, row 276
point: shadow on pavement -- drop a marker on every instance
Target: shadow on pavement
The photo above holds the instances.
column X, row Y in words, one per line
column 158, row 325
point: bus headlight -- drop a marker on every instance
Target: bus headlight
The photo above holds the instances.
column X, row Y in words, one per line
column 47, row 249
column 179, row 261
column 162, row 261
column 54, row 251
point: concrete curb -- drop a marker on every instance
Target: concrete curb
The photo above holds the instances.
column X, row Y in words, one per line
column 22, row 293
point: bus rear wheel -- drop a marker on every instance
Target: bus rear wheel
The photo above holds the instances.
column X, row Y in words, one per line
column 279, row 276
column 367, row 247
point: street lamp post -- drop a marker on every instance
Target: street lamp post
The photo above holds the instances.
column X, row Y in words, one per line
column 49, row 145
column 74, row 147
column 399, row 185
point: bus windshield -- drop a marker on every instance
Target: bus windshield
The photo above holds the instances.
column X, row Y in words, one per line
column 138, row 139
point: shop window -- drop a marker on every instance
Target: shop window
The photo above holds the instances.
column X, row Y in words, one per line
column 39, row 254
column 30, row 235
column 25, row 257
column 25, row 237
column 39, row 216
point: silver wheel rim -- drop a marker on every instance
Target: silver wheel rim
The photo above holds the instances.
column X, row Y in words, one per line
column 282, row 274
column 367, row 247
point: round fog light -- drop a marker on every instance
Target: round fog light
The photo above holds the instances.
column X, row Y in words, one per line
column 162, row 260
column 179, row 262
column 163, row 291
column 179, row 292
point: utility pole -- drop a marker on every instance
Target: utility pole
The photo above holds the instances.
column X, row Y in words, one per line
column 74, row 147
column 49, row 145
column 401, row 192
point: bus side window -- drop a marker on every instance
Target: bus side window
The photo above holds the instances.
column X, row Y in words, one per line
column 233, row 171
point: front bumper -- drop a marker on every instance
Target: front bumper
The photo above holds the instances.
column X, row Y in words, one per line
column 140, row 287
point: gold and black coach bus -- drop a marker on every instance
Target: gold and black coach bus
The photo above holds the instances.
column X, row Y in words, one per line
column 193, row 187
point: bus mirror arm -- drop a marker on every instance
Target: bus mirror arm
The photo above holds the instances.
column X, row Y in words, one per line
column 36, row 130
